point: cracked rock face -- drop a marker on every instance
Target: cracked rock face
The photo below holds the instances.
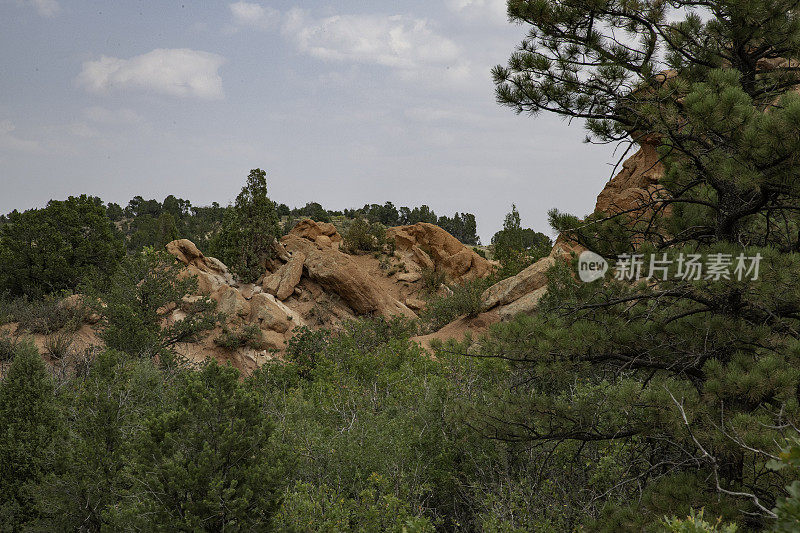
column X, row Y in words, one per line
column 338, row 273
column 430, row 247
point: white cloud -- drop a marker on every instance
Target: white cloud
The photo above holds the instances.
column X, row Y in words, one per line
column 101, row 115
column 255, row 15
column 480, row 10
column 10, row 142
column 176, row 72
column 45, row 8
column 392, row 41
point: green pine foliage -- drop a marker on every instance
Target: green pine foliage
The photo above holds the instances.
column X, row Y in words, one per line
column 205, row 460
column 249, row 227
column 30, row 431
column 695, row 380
column 57, row 248
column 517, row 247
column 134, row 305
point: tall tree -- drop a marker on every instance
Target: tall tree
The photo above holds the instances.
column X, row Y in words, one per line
column 249, row 228
column 30, row 426
column 693, row 378
column 58, row 247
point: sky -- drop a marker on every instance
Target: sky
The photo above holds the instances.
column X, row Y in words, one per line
column 342, row 103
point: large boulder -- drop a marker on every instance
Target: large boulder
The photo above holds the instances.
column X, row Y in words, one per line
column 231, row 302
column 521, row 293
column 210, row 272
column 525, row 304
column 338, row 273
column 283, row 282
column 267, row 314
column 323, row 233
column 635, row 185
column 515, row 287
column 429, row 246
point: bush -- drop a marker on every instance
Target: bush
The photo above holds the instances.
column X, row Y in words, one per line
column 232, row 339
column 464, row 300
column 695, row 523
column 432, row 280
column 361, row 236
column 308, row 508
column 8, row 347
column 304, row 348
column 58, row 345
column 143, row 287
column 48, row 315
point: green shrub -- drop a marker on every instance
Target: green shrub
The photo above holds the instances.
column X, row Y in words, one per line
column 304, row 348
column 309, row 508
column 695, row 523
column 432, row 280
column 133, row 319
column 48, row 315
column 8, row 346
column 232, row 339
column 58, row 345
column 361, row 236
column 463, row 300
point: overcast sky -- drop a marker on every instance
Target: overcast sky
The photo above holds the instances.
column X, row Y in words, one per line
column 343, row 103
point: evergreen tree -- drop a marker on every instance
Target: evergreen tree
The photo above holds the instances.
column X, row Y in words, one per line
column 517, row 247
column 30, row 428
column 249, row 228
column 695, row 379
column 205, row 461
column 106, row 408
column 146, row 287
column 57, row 248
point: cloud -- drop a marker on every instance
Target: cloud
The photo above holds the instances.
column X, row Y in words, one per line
column 480, row 10
column 176, row 72
column 393, row 41
column 45, row 8
column 254, row 15
column 10, row 142
column 101, row 115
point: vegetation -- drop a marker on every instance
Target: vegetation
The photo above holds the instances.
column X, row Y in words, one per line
column 57, row 248
column 461, row 299
column 361, row 236
column 687, row 383
column 134, row 305
column 245, row 241
column 667, row 403
column 517, row 247
column 231, row 339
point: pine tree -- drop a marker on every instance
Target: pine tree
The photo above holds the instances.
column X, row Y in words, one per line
column 693, row 380
column 204, row 461
column 249, row 227
column 30, row 427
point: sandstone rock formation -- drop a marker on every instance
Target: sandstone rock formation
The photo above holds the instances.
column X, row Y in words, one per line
column 635, row 185
column 323, row 233
column 521, row 293
column 283, row 282
column 338, row 273
column 210, row 272
column 515, row 287
column 428, row 246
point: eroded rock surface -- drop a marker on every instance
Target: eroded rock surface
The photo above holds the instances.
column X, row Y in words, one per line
column 428, row 246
